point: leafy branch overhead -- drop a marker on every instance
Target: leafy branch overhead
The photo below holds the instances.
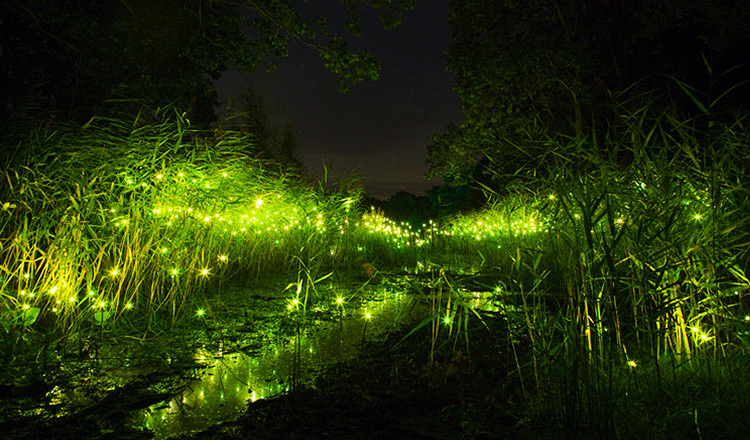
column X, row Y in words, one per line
column 279, row 22
column 75, row 59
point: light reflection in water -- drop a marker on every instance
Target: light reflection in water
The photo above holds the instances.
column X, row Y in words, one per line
column 230, row 382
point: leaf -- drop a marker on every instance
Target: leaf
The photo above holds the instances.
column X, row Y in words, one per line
column 424, row 322
column 28, row 316
column 323, row 277
column 101, row 316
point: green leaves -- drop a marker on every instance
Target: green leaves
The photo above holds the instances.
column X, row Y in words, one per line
column 25, row 317
column 100, row 317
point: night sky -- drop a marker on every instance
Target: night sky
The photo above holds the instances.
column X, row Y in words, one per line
column 379, row 129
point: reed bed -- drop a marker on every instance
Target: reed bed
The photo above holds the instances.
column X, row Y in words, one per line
column 113, row 216
column 625, row 261
column 634, row 284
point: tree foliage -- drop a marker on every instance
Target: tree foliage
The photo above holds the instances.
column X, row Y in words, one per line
column 530, row 70
column 72, row 59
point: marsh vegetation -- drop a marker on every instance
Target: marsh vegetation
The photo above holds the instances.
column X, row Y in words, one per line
column 606, row 297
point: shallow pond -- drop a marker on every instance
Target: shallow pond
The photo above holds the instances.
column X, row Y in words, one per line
column 251, row 347
column 230, row 381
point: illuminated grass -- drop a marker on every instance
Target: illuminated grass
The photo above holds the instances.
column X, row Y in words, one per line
column 123, row 218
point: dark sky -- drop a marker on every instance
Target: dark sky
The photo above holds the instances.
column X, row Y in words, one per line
column 379, row 129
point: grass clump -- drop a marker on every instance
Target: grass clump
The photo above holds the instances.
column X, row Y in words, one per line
column 118, row 215
column 637, row 283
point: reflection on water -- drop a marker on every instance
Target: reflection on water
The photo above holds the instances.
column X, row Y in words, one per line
column 229, row 382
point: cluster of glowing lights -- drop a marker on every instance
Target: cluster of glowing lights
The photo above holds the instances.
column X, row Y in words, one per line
column 491, row 227
column 194, row 202
column 400, row 233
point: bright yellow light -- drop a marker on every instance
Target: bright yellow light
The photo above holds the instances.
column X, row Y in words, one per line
column 223, row 258
column 204, row 272
column 632, row 364
column 114, row 272
column 200, row 312
column 258, row 203
column 159, row 176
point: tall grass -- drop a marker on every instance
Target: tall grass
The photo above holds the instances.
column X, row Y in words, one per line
column 639, row 277
column 118, row 215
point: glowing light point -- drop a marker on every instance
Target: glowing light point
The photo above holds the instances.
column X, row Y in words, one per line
column 368, row 315
column 632, row 364
column 200, row 312
column 159, row 176
column 204, row 272
column 340, row 301
column 114, row 272
column 258, row 203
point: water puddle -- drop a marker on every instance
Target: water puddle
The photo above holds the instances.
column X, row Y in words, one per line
column 229, row 382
